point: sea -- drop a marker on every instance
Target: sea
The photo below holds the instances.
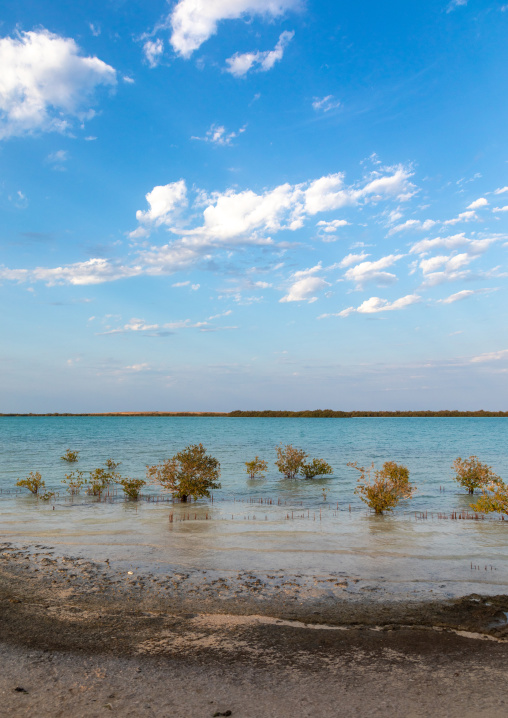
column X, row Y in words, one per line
column 305, row 527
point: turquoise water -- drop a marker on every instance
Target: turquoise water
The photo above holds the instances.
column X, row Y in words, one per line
column 427, row 446
column 309, row 526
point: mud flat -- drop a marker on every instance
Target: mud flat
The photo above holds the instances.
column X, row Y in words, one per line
column 90, row 637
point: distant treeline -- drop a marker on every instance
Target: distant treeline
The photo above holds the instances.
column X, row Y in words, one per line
column 270, row 414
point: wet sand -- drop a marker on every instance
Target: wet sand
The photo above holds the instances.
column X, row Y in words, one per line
column 90, row 638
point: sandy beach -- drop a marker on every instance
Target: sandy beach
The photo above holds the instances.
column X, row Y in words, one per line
column 91, row 638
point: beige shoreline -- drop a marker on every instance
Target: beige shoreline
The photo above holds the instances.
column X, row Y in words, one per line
column 77, row 644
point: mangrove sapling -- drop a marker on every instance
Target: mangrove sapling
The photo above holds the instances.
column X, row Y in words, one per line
column 99, row 480
column 111, row 465
column 388, row 487
column 132, row 487
column 472, row 474
column 74, row 482
column 316, row 467
column 33, row 482
column 494, row 498
column 46, row 496
column 289, row 460
column 191, row 472
column 70, row 456
column 256, row 468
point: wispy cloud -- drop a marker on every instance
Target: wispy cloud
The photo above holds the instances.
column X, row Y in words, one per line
column 218, row 135
column 242, row 63
column 325, row 104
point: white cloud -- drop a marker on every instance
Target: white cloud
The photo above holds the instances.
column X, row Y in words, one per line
column 373, row 271
column 194, row 21
column 164, row 202
column 232, row 215
column 325, row 104
column 138, row 367
column 480, row 202
column 241, row 63
column 468, row 216
column 45, row 82
column 93, row 271
column 153, row 51
column 450, row 268
column 501, row 209
column 454, row 241
column 455, row 4
column 352, row 259
column 501, row 190
column 457, row 297
column 376, row 304
column 218, row 135
column 333, row 225
column 412, row 224
column 329, row 192
column 491, row 356
column 303, row 289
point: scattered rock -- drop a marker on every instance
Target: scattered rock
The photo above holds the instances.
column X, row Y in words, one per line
column 19, row 689
column 218, row 713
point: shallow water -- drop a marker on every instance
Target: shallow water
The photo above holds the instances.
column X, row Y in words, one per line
column 299, row 531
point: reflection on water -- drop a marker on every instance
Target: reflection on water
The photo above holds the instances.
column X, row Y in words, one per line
column 267, row 524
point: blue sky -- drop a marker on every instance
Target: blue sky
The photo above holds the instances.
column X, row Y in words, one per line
column 223, row 204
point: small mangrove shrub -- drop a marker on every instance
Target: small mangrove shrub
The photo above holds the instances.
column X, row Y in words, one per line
column 256, row 468
column 386, row 488
column 494, row 498
column 70, row 456
column 111, row 465
column 191, row 472
column 99, row 481
column 472, row 474
column 74, row 482
column 289, row 460
column 132, row 487
column 33, row 482
column 316, row 467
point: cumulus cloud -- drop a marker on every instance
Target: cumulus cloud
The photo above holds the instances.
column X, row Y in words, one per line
column 45, row 82
column 194, row 21
column 454, row 241
column 325, row 104
column 231, row 215
column 353, row 259
column 164, row 201
column 501, row 209
column 376, row 304
column 478, row 203
column 439, row 269
column 366, row 272
column 218, row 135
column 501, row 190
column 330, row 193
column 468, row 216
column 153, row 51
column 304, row 285
column 241, row 63
column 333, row 225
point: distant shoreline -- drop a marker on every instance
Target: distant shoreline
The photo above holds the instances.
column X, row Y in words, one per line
column 269, row 414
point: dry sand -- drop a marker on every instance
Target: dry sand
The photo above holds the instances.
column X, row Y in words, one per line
column 86, row 639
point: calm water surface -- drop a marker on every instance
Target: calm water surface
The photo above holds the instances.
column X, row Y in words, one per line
column 300, row 531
